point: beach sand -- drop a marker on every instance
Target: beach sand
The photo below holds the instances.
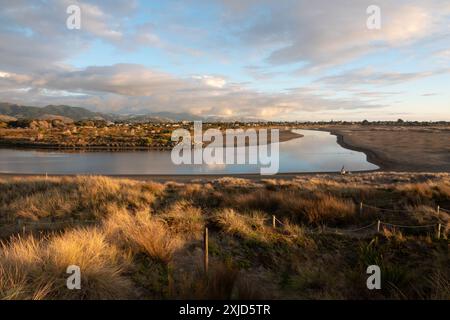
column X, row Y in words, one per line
column 411, row 149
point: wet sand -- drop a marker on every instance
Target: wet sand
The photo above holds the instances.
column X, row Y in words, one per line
column 411, row 149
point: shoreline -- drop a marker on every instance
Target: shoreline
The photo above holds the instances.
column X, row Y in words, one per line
column 187, row 178
column 404, row 150
column 371, row 155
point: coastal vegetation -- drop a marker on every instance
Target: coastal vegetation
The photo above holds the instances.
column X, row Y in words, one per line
column 60, row 133
column 143, row 239
column 87, row 134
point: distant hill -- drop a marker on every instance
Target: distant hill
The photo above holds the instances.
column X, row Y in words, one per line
column 77, row 113
column 27, row 112
column 68, row 113
column 177, row 116
column 55, row 117
column 144, row 118
column 4, row 118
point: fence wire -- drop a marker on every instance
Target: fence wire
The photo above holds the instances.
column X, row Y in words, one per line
column 408, row 227
column 23, row 224
column 445, row 210
column 383, row 209
column 46, row 223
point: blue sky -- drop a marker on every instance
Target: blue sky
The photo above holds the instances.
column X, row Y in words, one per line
column 274, row 60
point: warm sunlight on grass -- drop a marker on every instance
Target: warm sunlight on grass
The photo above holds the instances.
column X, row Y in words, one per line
column 143, row 240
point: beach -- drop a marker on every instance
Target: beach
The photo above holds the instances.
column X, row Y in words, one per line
column 411, row 149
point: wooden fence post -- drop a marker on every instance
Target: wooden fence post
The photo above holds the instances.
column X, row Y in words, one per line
column 439, row 231
column 378, row 226
column 21, row 226
column 274, row 222
column 205, row 250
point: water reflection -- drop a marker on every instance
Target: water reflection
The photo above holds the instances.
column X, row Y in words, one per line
column 317, row 151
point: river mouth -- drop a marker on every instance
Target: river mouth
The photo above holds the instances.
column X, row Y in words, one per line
column 316, row 151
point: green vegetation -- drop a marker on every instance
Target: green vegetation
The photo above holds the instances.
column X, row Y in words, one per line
column 143, row 240
column 62, row 133
column 86, row 134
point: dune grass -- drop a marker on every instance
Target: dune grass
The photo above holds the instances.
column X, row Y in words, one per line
column 143, row 240
column 33, row 268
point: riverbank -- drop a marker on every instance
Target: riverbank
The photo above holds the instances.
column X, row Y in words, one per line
column 189, row 178
column 399, row 149
column 372, row 156
column 9, row 139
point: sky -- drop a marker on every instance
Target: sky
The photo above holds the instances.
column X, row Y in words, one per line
column 253, row 59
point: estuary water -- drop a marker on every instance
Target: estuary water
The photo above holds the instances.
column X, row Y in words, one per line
column 316, row 151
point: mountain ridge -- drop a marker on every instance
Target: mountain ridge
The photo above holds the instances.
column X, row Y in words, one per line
column 32, row 112
column 79, row 113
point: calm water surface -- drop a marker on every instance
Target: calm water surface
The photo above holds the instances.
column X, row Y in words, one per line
column 317, row 151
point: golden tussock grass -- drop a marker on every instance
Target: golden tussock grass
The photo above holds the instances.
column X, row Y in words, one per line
column 80, row 197
column 145, row 240
column 298, row 206
column 421, row 192
column 184, row 218
column 34, row 268
column 251, row 226
column 142, row 233
column 256, row 226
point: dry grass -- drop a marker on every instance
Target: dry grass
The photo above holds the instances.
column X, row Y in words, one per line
column 315, row 208
column 252, row 226
column 184, row 219
column 256, row 226
column 422, row 192
column 143, row 234
column 224, row 282
column 79, row 197
column 34, row 268
column 146, row 239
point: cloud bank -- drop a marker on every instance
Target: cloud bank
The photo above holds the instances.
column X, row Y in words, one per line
column 242, row 61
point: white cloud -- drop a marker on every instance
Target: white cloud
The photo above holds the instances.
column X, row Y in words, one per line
column 135, row 88
column 276, row 36
column 212, row 81
column 371, row 77
column 326, row 33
